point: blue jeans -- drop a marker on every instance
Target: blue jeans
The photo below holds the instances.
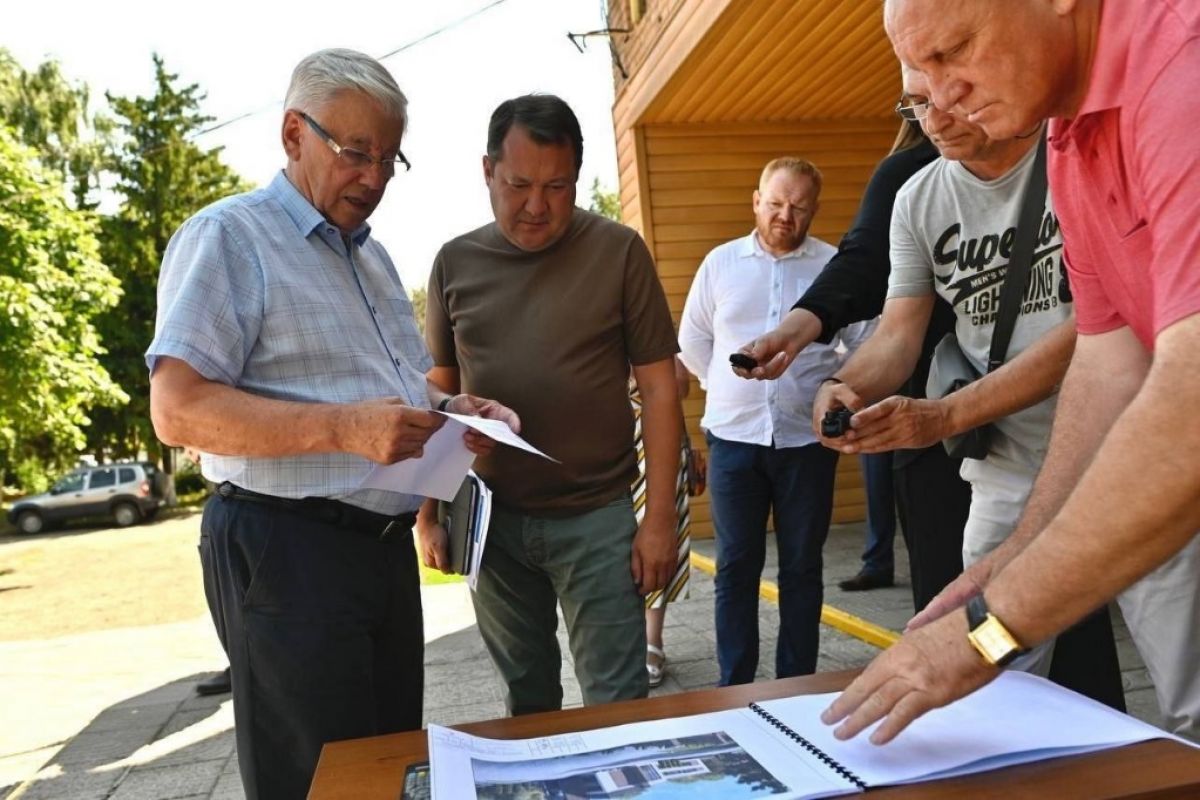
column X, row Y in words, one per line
column 878, row 557
column 746, row 482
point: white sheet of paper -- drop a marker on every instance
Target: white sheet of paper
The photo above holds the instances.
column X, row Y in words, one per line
column 444, row 463
column 500, row 432
column 1016, row 719
column 483, row 516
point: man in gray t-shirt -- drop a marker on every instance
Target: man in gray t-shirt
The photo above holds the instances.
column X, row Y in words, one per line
column 953, row 228
column 952, row 232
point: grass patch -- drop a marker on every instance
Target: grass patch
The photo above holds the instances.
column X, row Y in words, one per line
column 433, row 577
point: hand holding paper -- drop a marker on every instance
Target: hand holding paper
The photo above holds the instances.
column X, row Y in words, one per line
column 469, row 405
column 446, row 458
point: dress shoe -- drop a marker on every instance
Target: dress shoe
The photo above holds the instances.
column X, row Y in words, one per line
column 217, row 684
column 867, row 580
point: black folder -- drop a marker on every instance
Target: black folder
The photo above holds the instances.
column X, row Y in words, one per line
column 460, row 518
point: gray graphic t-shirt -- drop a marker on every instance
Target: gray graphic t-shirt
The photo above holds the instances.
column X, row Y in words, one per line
column 953, row 233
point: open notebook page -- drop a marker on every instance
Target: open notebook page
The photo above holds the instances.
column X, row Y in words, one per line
column 1016, row 719
column 724, row 755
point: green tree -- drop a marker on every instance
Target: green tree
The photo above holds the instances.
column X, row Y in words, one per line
column 605, row 203
column 163, row 177
column 50, row 114
column 53, row 285
column 419, row 297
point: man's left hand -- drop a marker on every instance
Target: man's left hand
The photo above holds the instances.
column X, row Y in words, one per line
column 897, row 422
column 928, row 668
column 471, row 406
column 654, row 553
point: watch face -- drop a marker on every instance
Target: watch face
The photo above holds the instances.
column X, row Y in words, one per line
column 994, row 642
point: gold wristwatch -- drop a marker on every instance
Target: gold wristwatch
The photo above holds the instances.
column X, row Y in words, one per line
column 989, row 636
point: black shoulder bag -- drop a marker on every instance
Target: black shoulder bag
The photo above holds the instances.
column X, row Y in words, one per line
column 950, row 370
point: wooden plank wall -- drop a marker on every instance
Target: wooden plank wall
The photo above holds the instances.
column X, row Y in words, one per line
column 688, row 187
column 635, row 47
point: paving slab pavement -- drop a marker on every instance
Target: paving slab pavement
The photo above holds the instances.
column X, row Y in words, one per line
column 114, row 716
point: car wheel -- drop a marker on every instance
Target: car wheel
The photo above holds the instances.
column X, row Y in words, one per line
column 125, row 514
column 30, row 522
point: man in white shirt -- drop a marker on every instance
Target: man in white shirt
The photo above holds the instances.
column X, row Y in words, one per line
column 763, row 455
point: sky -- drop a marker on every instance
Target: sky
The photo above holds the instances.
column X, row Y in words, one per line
column 241, row 53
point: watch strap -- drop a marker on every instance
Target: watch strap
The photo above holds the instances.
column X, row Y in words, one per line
column 977, row 612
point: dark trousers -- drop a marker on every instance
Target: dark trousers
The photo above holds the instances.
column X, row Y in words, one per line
column 1085, row 660
column 932, row 501
column 323, row 630
column 746, row 482
column 878, row 557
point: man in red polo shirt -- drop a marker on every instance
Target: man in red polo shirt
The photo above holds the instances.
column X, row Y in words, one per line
column 1116, row 507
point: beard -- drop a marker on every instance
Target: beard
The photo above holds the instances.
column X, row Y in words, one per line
column 781, row 240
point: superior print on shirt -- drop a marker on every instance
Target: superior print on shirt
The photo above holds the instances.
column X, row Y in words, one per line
column 953, row 233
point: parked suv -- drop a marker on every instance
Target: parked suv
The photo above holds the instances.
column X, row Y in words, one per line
column 127, row 492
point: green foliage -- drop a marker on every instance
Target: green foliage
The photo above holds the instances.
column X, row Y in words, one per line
column 164, row 178
column 50, row 114
column 189, row 481
column 419, row 299
column 33, row 476
column 604, row 203
column 53, row 285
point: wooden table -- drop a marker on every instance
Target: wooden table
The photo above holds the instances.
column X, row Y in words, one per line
column 370, row 769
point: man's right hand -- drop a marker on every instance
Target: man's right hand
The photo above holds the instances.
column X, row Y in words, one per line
column 387, row 431
column 775, row 350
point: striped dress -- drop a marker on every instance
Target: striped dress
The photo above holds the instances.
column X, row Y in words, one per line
column 678, row 587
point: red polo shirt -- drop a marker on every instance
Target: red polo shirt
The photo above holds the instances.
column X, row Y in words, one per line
column 1125, row 173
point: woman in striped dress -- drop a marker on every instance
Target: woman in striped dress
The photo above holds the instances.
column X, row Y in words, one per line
column 656, row 602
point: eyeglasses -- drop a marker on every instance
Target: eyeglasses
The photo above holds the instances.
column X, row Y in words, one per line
column 909, row 110
column 356, row 159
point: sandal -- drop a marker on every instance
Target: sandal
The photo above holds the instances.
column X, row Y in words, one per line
column 656, row 671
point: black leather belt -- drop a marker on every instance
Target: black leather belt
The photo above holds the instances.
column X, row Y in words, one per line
column 333, row 512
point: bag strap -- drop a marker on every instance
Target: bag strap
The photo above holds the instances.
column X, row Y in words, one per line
column 1033, row 204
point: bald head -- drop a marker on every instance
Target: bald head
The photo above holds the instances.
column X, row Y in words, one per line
column 1004, row 65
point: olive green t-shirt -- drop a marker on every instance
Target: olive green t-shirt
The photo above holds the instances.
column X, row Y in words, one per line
column 552, row 335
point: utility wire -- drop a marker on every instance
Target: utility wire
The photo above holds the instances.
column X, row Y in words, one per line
column 442, row 29
column 432, row 34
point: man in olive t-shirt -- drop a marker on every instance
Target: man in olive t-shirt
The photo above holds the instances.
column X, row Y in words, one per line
column 546, row 309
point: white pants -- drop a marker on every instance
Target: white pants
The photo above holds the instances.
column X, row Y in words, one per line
column 997, row 500
column 1162, row 611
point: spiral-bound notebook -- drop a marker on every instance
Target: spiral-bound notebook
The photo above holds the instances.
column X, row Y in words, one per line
column 780, row 749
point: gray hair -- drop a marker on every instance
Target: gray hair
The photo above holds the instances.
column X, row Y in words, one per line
column 323, row 74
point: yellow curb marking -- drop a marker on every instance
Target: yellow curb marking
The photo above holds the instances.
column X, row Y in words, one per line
column 845, row 622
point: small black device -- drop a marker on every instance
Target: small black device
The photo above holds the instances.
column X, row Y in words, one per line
column 742, row 361
column 836, row 422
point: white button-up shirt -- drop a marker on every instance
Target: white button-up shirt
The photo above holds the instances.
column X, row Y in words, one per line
column 740, row 292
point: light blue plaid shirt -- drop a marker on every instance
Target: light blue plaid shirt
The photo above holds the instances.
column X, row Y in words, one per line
column 260, row 292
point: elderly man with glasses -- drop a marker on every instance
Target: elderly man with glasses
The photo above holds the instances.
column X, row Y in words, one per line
column 286, row 352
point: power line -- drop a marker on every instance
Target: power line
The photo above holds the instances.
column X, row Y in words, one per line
column 432, row 34
column 443, row 29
